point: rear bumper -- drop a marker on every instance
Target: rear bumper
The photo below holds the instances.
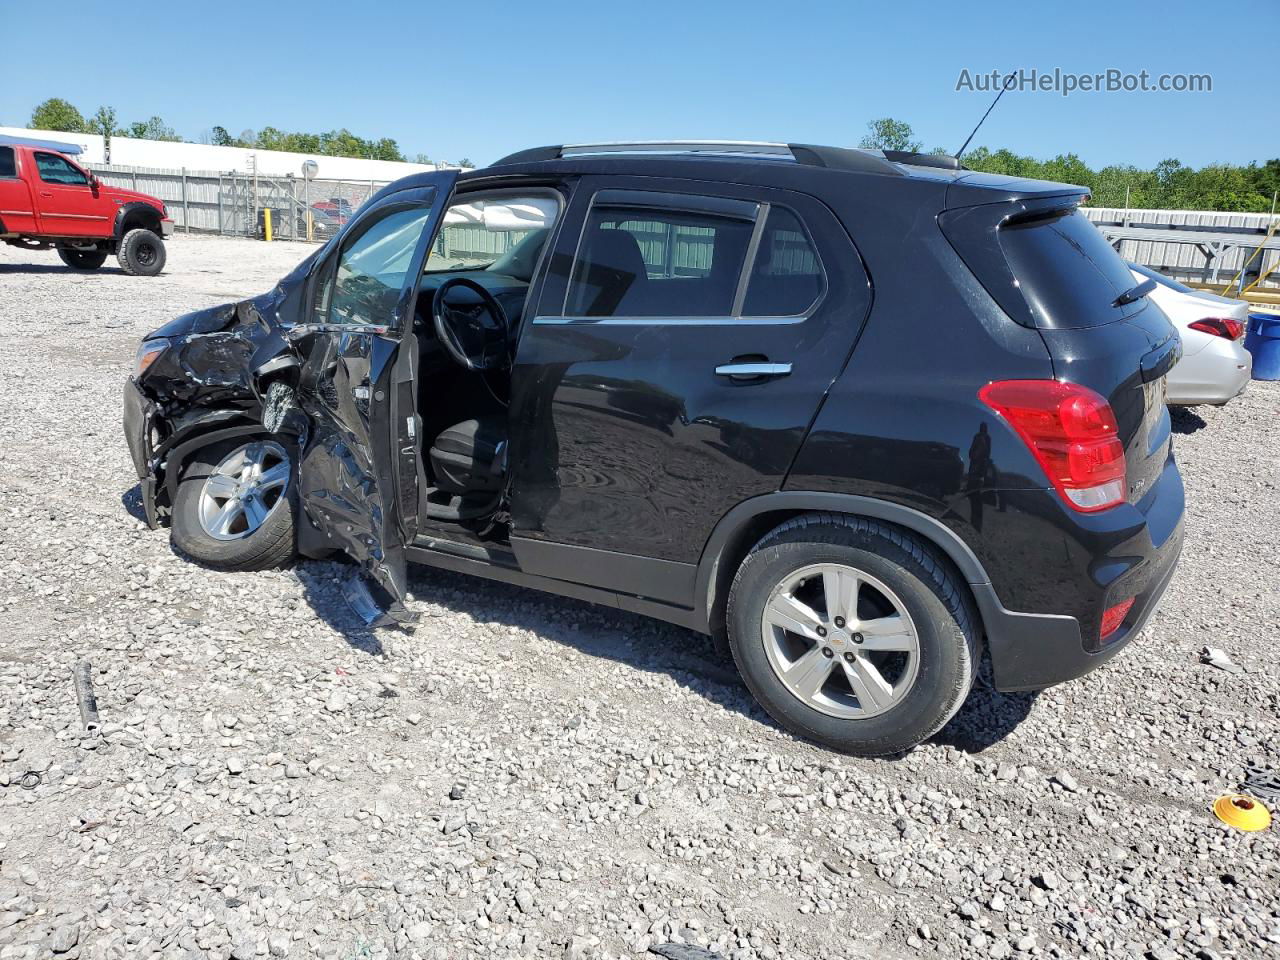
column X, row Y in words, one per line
column 1216, row 373
column 1033, row 651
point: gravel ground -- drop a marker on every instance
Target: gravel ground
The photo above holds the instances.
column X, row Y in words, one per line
column 525, row 775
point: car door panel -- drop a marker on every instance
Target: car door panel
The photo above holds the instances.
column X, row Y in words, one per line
column 17, row 206
column 65, row 208
column 351, row 474
column 625, row 440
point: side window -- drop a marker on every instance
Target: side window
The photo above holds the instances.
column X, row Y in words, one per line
column 635, row 261
column 365, row 283
column 8, row 165
column 786, row 279
column 56, row 169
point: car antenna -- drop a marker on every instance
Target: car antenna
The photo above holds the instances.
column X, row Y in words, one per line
column 1008, row 82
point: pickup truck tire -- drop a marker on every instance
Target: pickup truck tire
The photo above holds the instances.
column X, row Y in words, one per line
column 259, row 543
column 141, row 253
column 83, row 259
column 783, row 633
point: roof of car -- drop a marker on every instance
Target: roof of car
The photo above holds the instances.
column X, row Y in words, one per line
column 763, row 163
column 71, row 149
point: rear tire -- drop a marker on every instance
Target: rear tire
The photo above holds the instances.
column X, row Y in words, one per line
column 141, row 253
column 888, row 674
column 253, row 540
column 82, row 259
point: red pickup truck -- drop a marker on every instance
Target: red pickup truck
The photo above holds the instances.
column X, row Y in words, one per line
column 49, row 201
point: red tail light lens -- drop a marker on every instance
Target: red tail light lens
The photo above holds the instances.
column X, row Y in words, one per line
column 1228, row 328
column 1113, row 617
column 1072, row 432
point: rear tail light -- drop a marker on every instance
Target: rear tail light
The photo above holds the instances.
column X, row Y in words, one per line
column 1228, row 328
column 1113, row 617
column 1072, row 433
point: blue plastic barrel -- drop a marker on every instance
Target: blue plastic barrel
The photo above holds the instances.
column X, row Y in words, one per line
column 1263, row 341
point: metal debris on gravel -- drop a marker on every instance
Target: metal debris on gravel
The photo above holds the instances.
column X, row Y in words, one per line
column 553, row 779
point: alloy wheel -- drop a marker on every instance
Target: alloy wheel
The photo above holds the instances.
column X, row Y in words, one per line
column 244, row 490
column 841, row 641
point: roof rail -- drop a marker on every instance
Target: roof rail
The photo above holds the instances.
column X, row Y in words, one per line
column 835, row 158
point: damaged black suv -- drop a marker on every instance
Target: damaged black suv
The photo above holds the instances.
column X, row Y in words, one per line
column 859, row 416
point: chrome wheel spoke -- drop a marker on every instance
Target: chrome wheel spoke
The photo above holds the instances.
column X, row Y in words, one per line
column 273, row 477
column 220, row 486
column 812, row 631
column 255, row 512
column 241, row 492
column 840, row 587
column 226, row 517
column 788, row 613
column 869, row 685
column 890, row 634
column 807, row 675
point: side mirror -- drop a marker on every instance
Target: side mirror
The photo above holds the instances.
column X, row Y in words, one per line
column 94, row 182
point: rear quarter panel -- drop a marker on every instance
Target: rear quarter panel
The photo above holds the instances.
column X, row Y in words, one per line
column 903, row 422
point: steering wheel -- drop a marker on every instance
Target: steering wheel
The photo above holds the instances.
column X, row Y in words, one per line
column 476, row 339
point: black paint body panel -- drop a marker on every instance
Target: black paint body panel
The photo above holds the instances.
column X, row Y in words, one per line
column 638, row 478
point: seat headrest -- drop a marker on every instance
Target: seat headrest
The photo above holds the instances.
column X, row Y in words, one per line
column 612, row 268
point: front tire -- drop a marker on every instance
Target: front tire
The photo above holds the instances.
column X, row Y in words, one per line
column 852, row 633
column 141, row 253
column 82, row 259
column 235, row 506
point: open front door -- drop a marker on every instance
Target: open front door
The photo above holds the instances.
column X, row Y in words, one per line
column 357, row 388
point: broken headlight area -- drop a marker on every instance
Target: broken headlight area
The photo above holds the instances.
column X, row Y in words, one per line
column 149, row 352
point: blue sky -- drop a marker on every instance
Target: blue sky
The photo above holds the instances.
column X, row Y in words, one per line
column 478, row 80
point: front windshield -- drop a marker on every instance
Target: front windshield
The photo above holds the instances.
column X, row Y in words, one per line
column 489, row 233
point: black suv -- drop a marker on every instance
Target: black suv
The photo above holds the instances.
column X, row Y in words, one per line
column 856, row 415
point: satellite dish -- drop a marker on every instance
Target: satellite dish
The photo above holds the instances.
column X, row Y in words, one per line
column 310, row 168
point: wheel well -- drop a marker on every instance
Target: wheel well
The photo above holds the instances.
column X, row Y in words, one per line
column 755, row 528
column 148, row 219
column 735, row 551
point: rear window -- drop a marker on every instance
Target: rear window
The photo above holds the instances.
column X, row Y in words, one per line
column 1066, row 271
column 787, row 277
column 7, row 166
column 658, row 262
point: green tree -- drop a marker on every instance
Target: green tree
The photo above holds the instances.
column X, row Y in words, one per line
column 57, row 114
column 103, row 123
column 219, row 137
column 269, row 138
column 342, row 143
column 386, row 149
column 889, row 134
column 153, row 129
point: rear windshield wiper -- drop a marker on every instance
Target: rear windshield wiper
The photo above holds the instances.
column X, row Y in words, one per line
column 1134, row 293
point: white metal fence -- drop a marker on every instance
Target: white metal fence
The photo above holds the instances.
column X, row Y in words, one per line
column 1204, row 246
column 203, row 201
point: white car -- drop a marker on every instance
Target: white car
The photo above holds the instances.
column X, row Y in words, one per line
column 1215, row 366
